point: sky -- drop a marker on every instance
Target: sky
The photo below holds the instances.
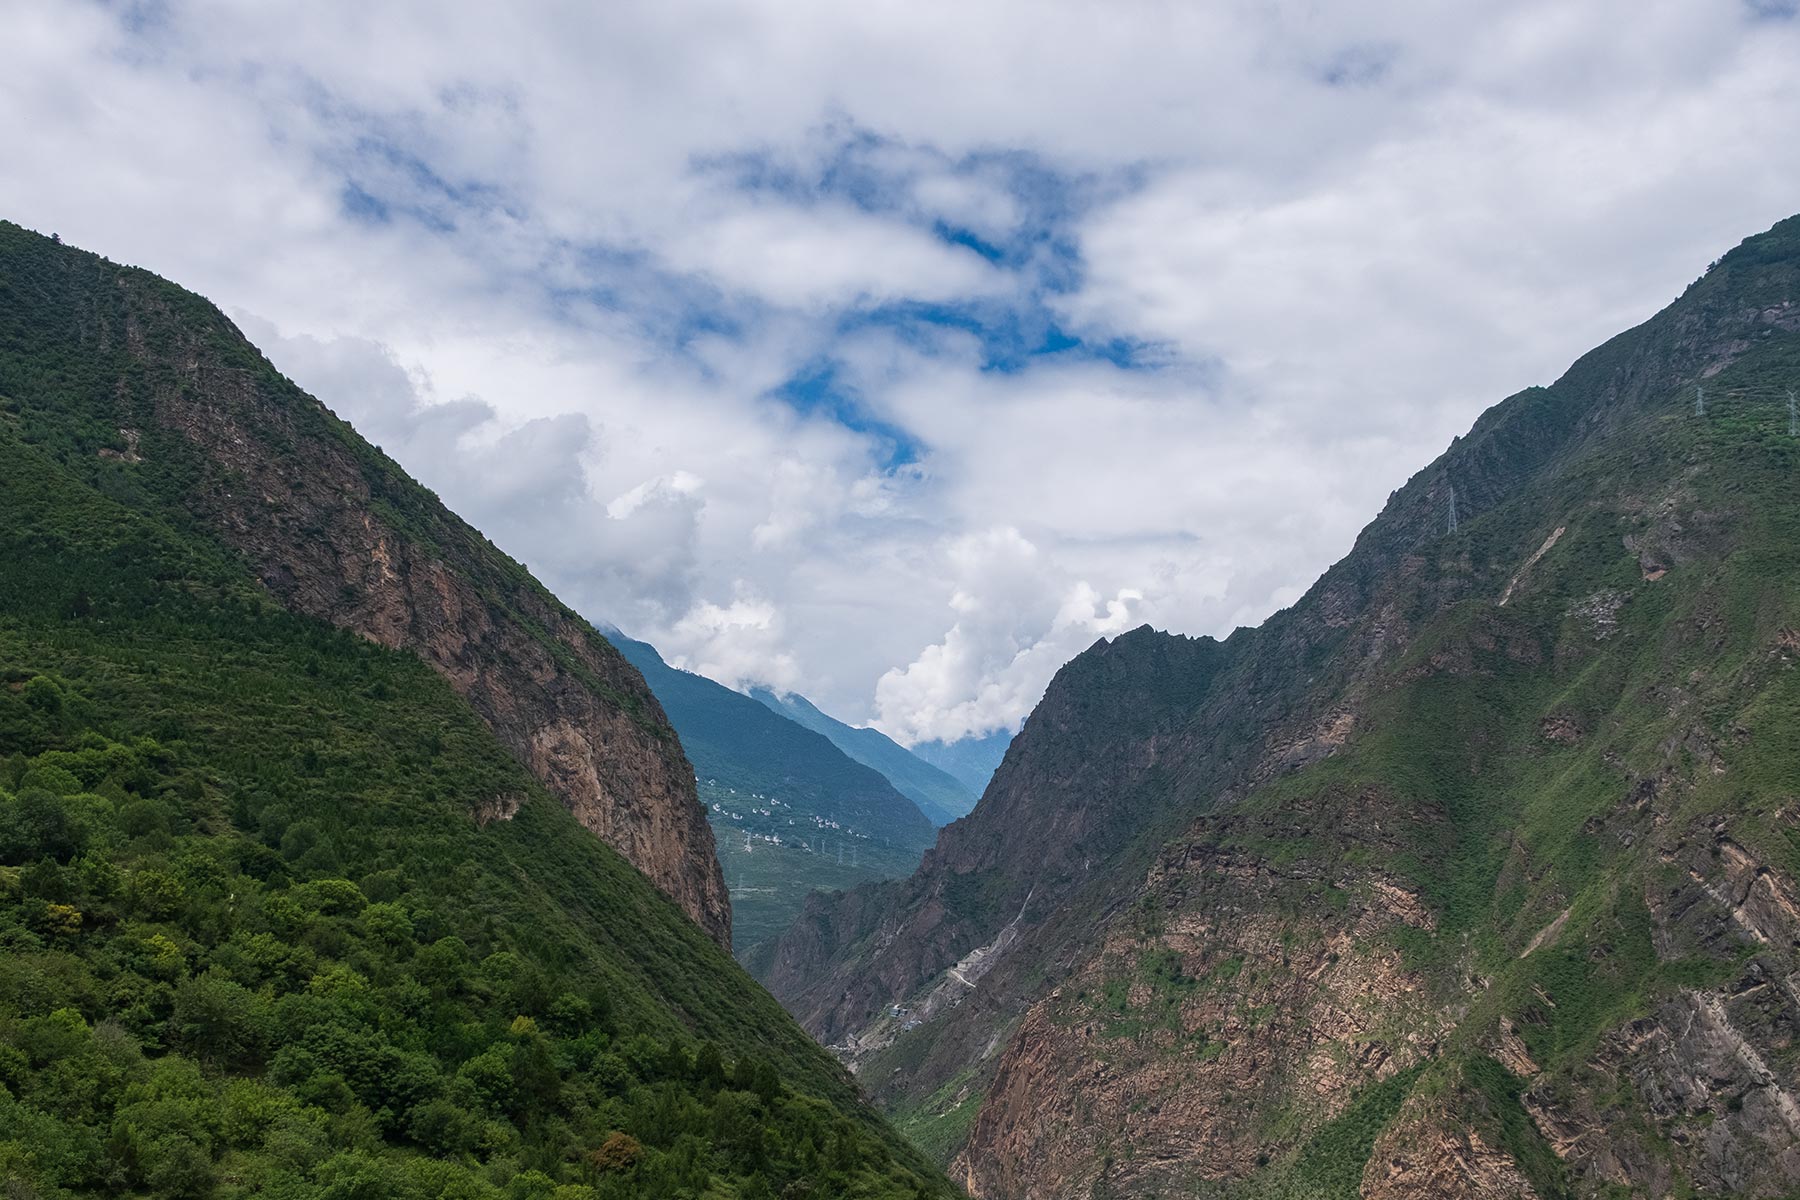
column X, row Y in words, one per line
column 894, row 352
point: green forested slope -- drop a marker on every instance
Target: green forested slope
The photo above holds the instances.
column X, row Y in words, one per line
column 280, row 915
column 148, row 394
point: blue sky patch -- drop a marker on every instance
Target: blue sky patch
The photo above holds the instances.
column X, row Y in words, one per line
column 818, row 390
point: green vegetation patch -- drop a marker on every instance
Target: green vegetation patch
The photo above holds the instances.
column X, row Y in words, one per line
column 940, row 1124
column 1330, row 1165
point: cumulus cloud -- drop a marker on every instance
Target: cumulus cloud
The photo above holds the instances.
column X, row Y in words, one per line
column 1018, row 618
column 738, row 644
column 893, row 353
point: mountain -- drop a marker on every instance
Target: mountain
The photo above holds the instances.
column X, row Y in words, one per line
column 300, row 783
column 791, row 812
column 1472, row 874
column 335, row 530
column 971, row 761
column 939, row 795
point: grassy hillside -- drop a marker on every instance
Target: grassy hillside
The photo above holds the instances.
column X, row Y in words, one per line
column 281, row 916
column 1588, row 793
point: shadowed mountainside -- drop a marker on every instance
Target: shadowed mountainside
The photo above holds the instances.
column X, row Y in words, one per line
column 792, row 812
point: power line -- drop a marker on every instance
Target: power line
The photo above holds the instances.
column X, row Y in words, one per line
column 1750, row 394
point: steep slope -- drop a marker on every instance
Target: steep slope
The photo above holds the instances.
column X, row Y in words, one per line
column 1469, row 875
column 971, row 761
column 792, row 813
column 939, row 796
column 159, row 397
column 281, row 913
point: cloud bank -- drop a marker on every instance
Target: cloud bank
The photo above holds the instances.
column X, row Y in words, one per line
column 893, row 353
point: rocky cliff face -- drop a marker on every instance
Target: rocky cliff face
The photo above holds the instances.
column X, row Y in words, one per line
column 336, row 530
column 1470, row 875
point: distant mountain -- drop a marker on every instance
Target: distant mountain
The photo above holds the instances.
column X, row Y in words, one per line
column 940, row 795
column 790, row 811
column 970, row 761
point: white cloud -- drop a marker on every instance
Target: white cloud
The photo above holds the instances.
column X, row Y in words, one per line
column 979, row 204
column 663, row 487
column 737, row 644
column 560, row 264
column 1018, row 618
column 814, row 258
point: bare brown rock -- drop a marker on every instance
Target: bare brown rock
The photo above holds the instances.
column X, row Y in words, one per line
column 1560, row 729
column 1510, row 1051
column 1180, row 1044
column 129, row 454
column 1429, row 1155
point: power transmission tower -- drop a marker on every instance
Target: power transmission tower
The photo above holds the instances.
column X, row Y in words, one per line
column 1793, row 416
column 1452, row 528
column 1699, row 401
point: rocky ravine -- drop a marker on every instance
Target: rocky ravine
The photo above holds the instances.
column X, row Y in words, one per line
column 337, row 530
column 1467, row 876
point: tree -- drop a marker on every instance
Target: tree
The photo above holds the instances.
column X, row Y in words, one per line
column 37, row 825
column 221, row 1021
column 757, row 1075
column 536, row 1085
column 388, row 923
column 443, row 966
column 490, row 1075
column 619, row 1152
column 178, row 1168
column 156, row 894
column 443, row 1128
column 42, row 693
column 709, row 1067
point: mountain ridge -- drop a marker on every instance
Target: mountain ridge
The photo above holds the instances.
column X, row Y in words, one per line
column 971, row 761
column 939, row 795
column 352, row 539
column 1080, row 914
